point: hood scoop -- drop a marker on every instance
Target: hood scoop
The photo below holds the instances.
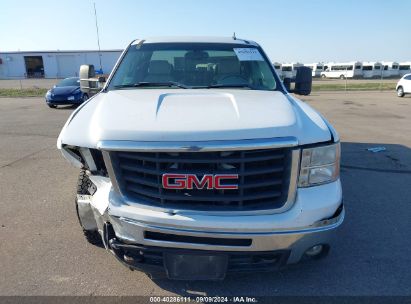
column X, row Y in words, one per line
column 176, row 105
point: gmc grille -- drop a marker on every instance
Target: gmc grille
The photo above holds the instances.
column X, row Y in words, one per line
column 264, row 178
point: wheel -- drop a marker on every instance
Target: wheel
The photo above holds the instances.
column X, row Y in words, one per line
column 83, row 186
column 342, row 77
column 323, row 76
column 400, row 92
column 84, row 98
column 52, row 106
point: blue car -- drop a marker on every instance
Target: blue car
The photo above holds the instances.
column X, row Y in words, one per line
column 66, row 92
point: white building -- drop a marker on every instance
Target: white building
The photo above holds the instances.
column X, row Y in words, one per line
column 53, row 64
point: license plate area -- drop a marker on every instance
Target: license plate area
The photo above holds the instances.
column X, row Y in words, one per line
column 195, row 266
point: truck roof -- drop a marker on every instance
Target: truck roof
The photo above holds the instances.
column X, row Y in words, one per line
column 196, row 39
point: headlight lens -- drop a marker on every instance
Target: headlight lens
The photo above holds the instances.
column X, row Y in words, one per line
column 319, row 165
column 48, row 94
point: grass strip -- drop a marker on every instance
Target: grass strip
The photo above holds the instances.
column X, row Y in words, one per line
column 32, row 92
column 354, row 87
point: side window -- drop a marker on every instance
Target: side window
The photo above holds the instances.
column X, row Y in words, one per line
column 132, row 68
column 408, row 77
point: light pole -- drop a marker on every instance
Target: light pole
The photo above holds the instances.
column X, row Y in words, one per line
column 346, row 68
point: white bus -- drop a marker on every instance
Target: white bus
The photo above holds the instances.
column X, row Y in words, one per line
column 277, row 67
column 289, row 70
column 342, row 70
column 316, row 68
column 390, row 69
column 371, row 69
column 404, row 68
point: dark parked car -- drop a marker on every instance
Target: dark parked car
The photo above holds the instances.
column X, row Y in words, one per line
column 66, row 92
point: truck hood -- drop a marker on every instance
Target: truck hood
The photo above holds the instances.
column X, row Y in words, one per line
column 192, row 115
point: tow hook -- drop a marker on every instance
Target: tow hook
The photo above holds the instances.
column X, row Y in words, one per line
column 108, row 234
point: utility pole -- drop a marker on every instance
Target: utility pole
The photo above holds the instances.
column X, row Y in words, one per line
column 346, row 77
column 98, row 37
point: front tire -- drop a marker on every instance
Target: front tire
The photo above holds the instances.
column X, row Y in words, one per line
column 83, row 186
column 342, row 77
column 84, row 98
column 400, row 92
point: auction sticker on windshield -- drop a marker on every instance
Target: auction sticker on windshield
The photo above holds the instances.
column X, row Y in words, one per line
column 248, row 54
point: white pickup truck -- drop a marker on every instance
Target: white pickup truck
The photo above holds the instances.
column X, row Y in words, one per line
column 195, row 161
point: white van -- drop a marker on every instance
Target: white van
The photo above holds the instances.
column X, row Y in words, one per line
column 371, row 69
column 289, row 70
column 404, row 68
column 342, row 70
column 391, row 69
column 277, row 67
column 316, row 68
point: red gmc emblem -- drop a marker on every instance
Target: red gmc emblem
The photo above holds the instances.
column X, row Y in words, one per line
column 191, row 181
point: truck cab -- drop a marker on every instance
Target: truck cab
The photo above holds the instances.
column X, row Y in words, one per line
column 196, row 161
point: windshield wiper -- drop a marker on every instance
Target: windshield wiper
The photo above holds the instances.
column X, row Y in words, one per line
column 236, row 85
column 151, row 84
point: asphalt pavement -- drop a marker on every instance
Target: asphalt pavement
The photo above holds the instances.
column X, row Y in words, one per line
column 43, row 251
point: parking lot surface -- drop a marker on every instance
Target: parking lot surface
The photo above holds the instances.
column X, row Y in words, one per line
column 43, row 251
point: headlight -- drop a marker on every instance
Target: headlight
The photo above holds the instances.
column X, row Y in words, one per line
column 90, row 159
column 319, row 165
column 70, row 98
column 48, row 94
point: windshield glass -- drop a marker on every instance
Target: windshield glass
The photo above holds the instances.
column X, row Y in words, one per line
column 69, row 82
column 194, row 65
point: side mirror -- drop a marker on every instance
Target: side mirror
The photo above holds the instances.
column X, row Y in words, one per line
column 303, row 81
column 86, row 72
column 287, row 83
column 101, row 81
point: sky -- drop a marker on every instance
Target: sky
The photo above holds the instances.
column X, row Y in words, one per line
column 289, row 31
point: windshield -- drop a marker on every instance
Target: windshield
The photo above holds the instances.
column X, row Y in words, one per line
column 69, row 82
column 194, row 65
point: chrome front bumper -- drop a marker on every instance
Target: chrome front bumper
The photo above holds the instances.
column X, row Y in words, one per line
column 316, row 213
column 296, row 241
